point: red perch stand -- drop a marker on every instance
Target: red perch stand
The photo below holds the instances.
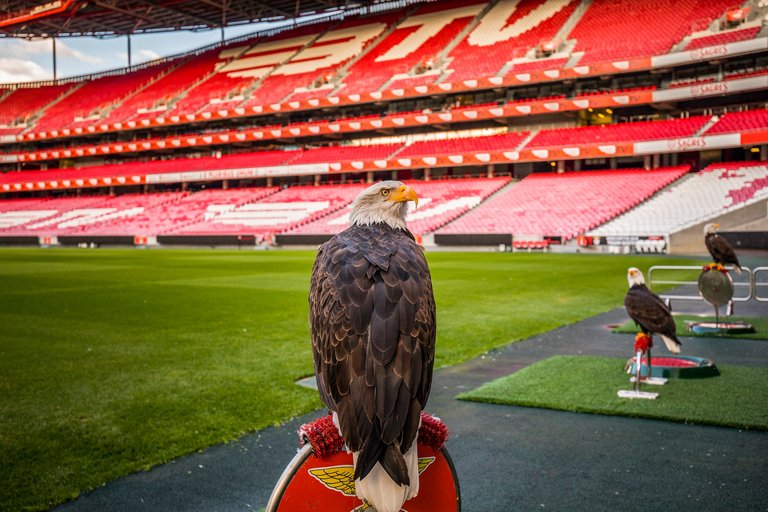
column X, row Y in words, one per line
column 320, row 476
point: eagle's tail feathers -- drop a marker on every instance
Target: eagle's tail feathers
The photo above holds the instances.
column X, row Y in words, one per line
column 381, row 490
column 672, row 343
column 737, row 268
column 373, row 451
column 393, row 463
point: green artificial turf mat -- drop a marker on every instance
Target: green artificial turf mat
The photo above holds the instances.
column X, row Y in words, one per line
column 736, row 398
column 112, row 361
column 681, row 322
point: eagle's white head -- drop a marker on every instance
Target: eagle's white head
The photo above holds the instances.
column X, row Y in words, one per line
column 710, row 228
column 634, row 276
column 386, row 201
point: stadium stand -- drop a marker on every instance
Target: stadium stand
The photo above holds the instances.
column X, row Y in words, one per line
column 624, row 132
column 177, row 211
column 44, row 218
column 162, row 91
column 510, row 27
column 698, row 198
column 602, row 31
column 537, row 65
column 454, row 146
column 276, row 213
column 318, row 63
column 235, row 161
column 423, row 34
column 94, row 96
column 563, row 204
column 236, row 75
column 21, row 104
column 439, row 202
column 725, row 37
column 747, row 121
column 345, row 153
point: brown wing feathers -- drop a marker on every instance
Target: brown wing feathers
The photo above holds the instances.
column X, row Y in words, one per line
column 372, row 321
column 649, row 312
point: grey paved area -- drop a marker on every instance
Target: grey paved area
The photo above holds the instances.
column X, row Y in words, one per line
column 509, row 458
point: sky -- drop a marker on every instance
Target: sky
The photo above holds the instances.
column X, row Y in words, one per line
column 26, row 61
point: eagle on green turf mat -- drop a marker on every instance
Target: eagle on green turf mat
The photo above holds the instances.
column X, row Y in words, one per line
column 649, row 311
column 719, row 248
column 372, row 323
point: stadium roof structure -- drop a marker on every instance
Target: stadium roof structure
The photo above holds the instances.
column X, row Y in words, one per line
column 61, row 18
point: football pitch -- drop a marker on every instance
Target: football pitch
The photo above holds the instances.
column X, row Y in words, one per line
column 112, row 361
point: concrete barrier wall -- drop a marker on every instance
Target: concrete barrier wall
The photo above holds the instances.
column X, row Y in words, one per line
column 691, row 240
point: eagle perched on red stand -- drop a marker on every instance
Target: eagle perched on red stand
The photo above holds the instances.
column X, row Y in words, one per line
column 372, row 322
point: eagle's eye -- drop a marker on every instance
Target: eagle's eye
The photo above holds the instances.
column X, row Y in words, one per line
column 385, row 192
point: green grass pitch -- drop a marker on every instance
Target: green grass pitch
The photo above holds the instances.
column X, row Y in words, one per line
column 112, row 361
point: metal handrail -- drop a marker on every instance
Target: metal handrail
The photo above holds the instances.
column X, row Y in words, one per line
column 755, row 284
column 749, row 284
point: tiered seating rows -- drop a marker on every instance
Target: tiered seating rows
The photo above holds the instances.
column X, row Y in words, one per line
column 730, row 36
column 440, row 22
column 439, row 202
column 563, row 205
column 510, row 27
column 22, row 103
column 508, row 30
column 97, row 94
column 715, row 190
column 276, row 213
column 242, row 160
column 746, row 121
column 625, row 132
column 346, row 153
column 169, row 86
column 464, row 145
column 622, row 29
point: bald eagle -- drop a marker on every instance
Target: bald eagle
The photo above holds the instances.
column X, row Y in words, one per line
column 649, row 312
column 719, row 248
column 372, row 323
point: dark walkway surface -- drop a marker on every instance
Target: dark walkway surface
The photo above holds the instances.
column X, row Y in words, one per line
column 510, row 458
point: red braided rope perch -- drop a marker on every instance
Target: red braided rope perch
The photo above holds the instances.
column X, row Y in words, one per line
column 643, row 342
column 324, row 437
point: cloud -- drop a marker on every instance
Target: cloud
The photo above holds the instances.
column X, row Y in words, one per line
column 21, row 48
column 18, row 70
column 149, row 54
column 65, row 51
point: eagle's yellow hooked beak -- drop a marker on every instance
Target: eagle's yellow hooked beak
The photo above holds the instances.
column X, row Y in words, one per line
column 716, row 225
column 404, row 193
column 631, row 272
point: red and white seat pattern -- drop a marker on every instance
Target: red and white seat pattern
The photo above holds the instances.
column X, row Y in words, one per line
column 322, row 59
column 624, row 132
column 704, row 196
column 43, row 217
column 510, row 28
column 457, row 146
column 421, row 35
column 729, row 36
column 747, row 121
column 239, row 73
column 93, row 96
column 439, row 202
column 613, row 30
column 180, row 211
column 274, row 214
column 22, row 103
column 563, row 204
column 334, row 154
